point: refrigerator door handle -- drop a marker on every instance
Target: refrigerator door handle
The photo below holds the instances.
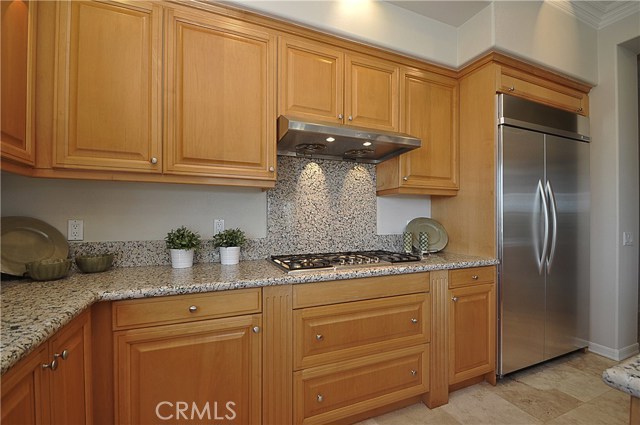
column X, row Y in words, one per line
column 545, row 242
column 554, row 216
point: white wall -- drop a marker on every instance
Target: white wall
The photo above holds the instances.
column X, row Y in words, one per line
column 395, row 212
column 374, row 22
column 614, row 192
column 477, row 35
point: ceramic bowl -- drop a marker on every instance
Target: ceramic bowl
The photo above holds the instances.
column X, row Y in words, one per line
column 94, row 263
column 49, row 269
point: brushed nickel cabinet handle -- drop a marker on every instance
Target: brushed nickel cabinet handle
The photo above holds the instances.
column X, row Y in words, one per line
column 154, row 160
column 320, row 398
column 414, row 320
column 405, row 178
column 64, row 355
column 193, row 309
column 512, row 88
column 579, row 110
column 340, row 116
column 350, row 118
column 256, row 329
column 271, row 169
column 474, row 277
column 414, row 372
column 454, row 299
column 319, row 337
column 53, row 365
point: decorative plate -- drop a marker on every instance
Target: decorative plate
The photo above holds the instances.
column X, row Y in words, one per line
column 438, row 237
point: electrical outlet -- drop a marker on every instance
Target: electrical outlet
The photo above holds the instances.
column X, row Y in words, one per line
column 75, row 230
column 218, row 226
column 627, row 238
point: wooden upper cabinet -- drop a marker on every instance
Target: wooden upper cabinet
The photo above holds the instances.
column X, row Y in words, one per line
column 220, row 97
column 523, row 84
column 108, row 86
column 318, row 81
column 429, row 111
column 371, row 93
column 17, row 91
column 311, row 80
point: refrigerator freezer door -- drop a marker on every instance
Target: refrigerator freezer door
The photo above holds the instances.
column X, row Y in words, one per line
column 522, row 222
column 567, row 166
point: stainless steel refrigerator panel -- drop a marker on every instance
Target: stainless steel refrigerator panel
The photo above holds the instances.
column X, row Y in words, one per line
column 524, row 224
column 567, row 187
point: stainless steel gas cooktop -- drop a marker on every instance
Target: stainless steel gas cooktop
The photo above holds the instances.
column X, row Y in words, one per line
column 340, row 260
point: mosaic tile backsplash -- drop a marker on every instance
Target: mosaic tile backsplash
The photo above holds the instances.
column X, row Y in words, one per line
column 316, row 206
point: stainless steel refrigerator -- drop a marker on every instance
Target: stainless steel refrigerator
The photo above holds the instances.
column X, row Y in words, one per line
column 543, row 232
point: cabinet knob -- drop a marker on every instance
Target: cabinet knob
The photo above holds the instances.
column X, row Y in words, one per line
column 53, row 365
column 414, row 320
column 454, row 299
column 319, row 337
column 579, row 110
column 256, row 329
column 64, row 355
column 512, row 88
column 193, row 309
column 405, row 178
column 271, row 169
column 320, row 398
column 474, row 277
column 350, row 118
column 154, row 160
column 340, row 116
column 413, row 372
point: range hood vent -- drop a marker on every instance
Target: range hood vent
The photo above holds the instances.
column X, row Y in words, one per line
column 306, row 139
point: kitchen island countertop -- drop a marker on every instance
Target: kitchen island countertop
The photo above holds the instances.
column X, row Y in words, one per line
column 34, row 311
column 625, row 376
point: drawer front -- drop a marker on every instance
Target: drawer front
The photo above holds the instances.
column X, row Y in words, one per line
column 472, row 276
column 367, row 288
column 351, row 330
column 327, row 393
column 557, row 97
column 185, row 308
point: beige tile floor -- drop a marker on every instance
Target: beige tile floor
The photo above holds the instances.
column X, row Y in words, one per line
column 568, row 390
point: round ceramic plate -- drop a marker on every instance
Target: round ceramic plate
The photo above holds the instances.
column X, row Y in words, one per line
column 26, row 239
column 438, row 237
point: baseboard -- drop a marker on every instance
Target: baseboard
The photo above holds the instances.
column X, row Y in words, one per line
column 612, row 353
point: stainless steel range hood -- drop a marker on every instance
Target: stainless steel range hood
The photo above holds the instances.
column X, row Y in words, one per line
column 340, row 142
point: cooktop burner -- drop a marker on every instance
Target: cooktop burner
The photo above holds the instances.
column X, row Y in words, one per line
column 334, row 260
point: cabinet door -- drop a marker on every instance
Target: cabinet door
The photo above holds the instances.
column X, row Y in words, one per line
column 71, row 381
column 17, row 83
column 472, row 332
column 371, row 93
column 202, row 371
column 25, row 391
column 220, row 88
column 108, row 86
column 429, row 111
column 311, row 80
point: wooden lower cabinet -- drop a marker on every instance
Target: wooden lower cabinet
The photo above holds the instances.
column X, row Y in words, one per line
column 472, row 332
column 326, row 393
column 194, row 372
column 53, row 384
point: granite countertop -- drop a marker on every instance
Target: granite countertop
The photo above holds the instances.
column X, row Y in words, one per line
column 625, row 376
column 34, row 311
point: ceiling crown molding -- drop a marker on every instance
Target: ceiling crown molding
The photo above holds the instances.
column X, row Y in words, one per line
column 597, row 14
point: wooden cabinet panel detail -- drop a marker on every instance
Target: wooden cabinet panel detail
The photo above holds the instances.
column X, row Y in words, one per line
column 17, row 87
column 472, row 332
column 311, row 78
column 219, row 92
column 326, row 393
column 108, row 86
column 342, row 331
column 214, row 363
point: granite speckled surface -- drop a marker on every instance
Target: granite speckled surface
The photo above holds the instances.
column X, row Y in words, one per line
column 625, row 376
column 33, row 311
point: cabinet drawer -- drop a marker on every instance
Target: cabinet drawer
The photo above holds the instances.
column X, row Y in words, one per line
column 350, row 330
column 543, row 91
column 472, row 276
column 185, row 308
column 327, row 393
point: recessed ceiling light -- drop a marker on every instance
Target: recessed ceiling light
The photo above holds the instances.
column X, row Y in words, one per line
column 366, row 144
column 330, row 139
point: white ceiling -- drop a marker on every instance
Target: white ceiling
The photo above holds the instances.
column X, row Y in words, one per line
column 598, row 14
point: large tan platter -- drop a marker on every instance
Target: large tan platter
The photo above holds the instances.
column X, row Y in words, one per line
column 438, row 237
column 26, row 239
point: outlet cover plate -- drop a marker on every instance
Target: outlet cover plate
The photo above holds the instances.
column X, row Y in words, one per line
column 75, row 230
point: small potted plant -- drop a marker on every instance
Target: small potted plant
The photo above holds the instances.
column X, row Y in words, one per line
column 229, row 242
column 181, row 243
